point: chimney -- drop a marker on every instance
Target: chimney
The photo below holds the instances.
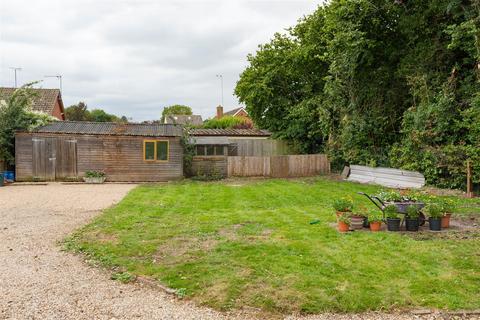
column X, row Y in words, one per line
column 219, row 112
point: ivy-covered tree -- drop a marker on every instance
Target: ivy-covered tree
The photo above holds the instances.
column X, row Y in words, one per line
column 377, row 82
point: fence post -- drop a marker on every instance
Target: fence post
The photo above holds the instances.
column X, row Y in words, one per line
column 469, row 180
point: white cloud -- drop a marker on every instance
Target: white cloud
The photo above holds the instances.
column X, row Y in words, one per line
column 134, row 57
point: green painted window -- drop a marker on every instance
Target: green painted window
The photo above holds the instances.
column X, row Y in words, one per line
column 149, row 151
column 162, row 150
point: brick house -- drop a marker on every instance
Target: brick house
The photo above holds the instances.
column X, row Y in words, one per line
column 237, row 112
column 48, row 101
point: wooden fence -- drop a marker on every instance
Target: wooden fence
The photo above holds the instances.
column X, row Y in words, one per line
column 259, row 147
column 288, row 166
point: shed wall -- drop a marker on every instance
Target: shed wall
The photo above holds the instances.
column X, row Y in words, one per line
column 120, row 157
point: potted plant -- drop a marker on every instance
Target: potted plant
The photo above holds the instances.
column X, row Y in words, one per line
column 342, row 206
column 92, row 176
column 434, row 212
column 411, row 220
column 393, row 221
column 375, row 220
column 447, row 209
column 402, row 202
column 343, row 223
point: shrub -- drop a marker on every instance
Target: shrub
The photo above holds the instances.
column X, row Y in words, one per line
column 413, row 212
column 226, row 122
column 95, row 174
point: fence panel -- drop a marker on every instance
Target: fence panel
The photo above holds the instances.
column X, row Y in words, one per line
column 259, row 147
column 278, row 166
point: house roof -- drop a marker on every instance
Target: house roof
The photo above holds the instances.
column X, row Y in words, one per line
column 230, row 132
column 112, row 128
column 43, row 101
column 194, row 119
column 234, row 111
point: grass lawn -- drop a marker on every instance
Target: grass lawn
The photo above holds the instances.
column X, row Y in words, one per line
column 228, row 245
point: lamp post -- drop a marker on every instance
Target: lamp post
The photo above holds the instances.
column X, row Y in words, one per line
column 221, row 84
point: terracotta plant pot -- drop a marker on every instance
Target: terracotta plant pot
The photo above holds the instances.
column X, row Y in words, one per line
column 343, row 227
column 340, row 213
column 356, row 222
column 375, row 226
column 446, row 220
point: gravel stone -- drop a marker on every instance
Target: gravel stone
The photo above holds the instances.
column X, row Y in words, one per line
column 40, row 281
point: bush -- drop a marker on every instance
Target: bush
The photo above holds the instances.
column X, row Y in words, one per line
column 227, row 122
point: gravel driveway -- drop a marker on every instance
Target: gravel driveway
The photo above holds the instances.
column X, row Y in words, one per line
column 39, row 281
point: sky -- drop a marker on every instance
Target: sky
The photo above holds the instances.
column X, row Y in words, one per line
column 133, row 58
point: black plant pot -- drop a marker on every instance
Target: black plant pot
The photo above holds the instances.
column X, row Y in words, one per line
column 435, row 224
column 411, row 224
column 366, row 223
column 393, row 224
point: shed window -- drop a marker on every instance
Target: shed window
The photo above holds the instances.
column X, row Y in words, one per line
column 162, row 150
column 210, row 150
column 149, row 148
column 155, row 150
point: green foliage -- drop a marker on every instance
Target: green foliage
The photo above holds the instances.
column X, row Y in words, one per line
column 188, row 144
column 374, row 215
column 391, row 211
column 77, row 112
column 95, row 174
column 433, row 210
column 124, row 277
column 226, row 122
column 16, row 115
column 379, row 82
column 80, row 112
column 389, row 195
column 343, row 205
column 413, row 212
column 176, row 109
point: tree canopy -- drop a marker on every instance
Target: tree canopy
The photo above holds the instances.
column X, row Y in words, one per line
column 16, row 115
column 377, row 82
column 80, row 112
column 176, row 109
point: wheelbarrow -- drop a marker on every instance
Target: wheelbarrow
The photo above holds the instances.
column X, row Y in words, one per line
column 401, row 206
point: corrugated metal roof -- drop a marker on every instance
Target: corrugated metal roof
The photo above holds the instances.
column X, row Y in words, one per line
column 112, row 128
column 230, row 132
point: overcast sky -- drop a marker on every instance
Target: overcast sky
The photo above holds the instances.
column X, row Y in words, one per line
column 135, row 57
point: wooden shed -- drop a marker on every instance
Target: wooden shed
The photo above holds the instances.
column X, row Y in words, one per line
column 125, row 152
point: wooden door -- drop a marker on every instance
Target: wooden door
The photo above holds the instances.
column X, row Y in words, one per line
column 38, row 159
column 66, row 158
column 51, row 159
column 44, row 158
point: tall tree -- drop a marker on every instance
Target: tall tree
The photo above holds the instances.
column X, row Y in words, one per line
column 77, row 112
column 352, row 78
column 177, row 109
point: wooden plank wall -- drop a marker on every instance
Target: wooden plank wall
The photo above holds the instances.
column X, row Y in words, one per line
column 259, row 147
column 120, row 157
column 288, row 166
column 208, row 165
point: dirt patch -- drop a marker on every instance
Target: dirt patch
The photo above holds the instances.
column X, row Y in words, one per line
column 183, row 248
column 101, row 237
